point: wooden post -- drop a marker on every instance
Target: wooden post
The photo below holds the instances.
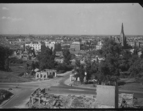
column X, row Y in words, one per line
column 116, row 95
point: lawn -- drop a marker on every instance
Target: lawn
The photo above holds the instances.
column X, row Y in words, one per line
column 13, row 76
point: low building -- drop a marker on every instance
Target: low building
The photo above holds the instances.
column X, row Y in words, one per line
column 47, row 73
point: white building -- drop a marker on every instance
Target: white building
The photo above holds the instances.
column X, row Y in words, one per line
column 45, row 74
column 99, row 45
column 50, row 44
column 75, row 46
column 35, row 45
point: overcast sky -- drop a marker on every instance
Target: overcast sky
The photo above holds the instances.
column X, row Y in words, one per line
column 71, row 19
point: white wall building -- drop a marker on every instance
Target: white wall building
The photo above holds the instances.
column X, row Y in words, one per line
column 99, row 45
column 50, row 44
column 75, row 46
column 35, row 45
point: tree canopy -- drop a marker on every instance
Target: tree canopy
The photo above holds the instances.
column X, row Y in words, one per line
column 67, row 57
column 46, row 58
column 5, row 52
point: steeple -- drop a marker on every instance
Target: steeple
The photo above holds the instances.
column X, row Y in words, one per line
column 122, row 36
column 122, row 29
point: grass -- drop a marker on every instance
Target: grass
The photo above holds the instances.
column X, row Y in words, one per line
column 13, row 76
column 6, row 93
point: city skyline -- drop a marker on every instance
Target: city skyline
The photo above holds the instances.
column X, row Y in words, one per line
column 74, row 19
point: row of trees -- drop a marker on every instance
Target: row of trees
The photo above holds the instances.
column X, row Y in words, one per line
column 5, row 52
column 117, row 60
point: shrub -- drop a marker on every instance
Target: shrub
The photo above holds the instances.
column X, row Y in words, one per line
column 63, row 68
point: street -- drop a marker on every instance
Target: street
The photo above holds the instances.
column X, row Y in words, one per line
column 56, row 85
column 23, row 90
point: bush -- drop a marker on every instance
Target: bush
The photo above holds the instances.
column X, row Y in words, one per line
column 63, row 68
column 15, row 60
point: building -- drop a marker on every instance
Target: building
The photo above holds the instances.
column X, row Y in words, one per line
column 75, row 46
column 99, row 45
column 45, row 74
column 35, row 45
column 51, row 45
column 122, row 38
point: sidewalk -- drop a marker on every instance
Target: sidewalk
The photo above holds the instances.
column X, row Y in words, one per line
column 68, row 82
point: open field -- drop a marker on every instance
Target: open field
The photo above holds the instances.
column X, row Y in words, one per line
column 13, row 76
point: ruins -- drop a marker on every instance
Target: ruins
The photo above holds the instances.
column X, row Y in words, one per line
column 47, row 73
column 43, row 99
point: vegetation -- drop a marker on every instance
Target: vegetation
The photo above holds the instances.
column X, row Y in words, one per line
column 46, row 58
column 66, row 65
column 14, row 74
column 117, row 59
column 5, row 52
column 14, row 60
column 67, row 57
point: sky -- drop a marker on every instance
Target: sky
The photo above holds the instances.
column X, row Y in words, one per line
column 78, row 19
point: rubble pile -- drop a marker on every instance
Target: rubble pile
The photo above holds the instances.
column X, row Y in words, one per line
column 46, row 100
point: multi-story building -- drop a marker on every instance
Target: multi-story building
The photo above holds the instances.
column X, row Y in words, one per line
column 51, row 45
column 35, row 45
column 75, row 46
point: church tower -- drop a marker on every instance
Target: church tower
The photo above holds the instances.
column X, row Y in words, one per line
column 122, row 36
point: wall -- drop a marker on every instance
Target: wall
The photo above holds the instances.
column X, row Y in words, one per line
column 106, row 95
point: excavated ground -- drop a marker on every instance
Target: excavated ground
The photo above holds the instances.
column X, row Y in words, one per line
column 66, row 101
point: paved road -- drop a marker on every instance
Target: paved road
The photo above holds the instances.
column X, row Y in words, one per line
column 18, row 98
column 24, row 90
column 63, row 88
column 28, row 88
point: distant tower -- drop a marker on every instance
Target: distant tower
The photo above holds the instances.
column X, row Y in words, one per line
column 122, row 37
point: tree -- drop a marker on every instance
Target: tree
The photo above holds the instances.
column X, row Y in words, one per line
column 5, row 52
column 136, row 68
column 46, row 58
column 33, row 65
column 33, row 52
column 111, row 51
column 81, row 73
column 67, row 57
column 125, row 60
column 103, row 72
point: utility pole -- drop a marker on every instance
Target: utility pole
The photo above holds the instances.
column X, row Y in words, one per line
column 116, row 95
